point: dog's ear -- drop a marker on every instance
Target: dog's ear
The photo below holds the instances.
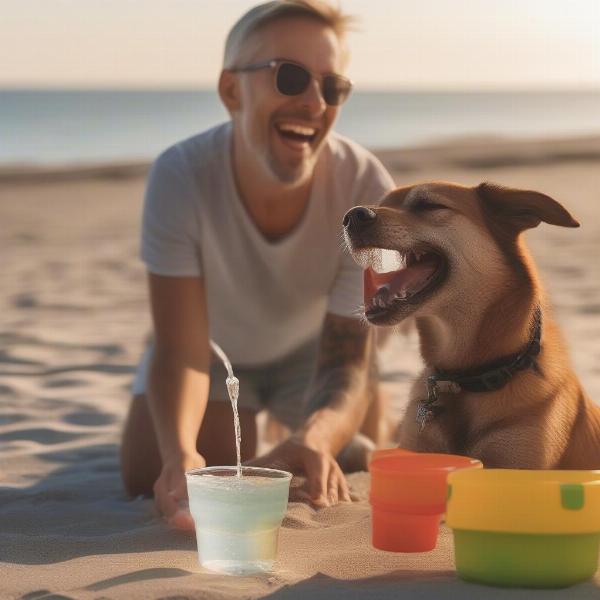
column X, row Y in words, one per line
column 522, row 209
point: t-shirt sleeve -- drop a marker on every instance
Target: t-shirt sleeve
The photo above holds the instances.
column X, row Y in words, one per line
column 170, row 241
column 346, row 297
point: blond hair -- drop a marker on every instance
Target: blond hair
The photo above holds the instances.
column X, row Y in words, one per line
column 263, row 14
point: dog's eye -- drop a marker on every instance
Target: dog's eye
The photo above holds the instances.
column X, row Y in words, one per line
column 423, row 205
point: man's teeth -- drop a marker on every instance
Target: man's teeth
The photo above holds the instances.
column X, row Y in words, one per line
column 297, row 129
column 381, row 260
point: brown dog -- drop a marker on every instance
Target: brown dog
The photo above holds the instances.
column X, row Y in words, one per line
column 497, row 383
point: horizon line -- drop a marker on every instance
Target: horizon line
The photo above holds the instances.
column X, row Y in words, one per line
column 376, row 88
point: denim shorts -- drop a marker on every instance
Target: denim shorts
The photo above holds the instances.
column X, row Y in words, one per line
column 279, row 387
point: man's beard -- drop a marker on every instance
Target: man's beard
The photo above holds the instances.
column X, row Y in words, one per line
column 290, row 175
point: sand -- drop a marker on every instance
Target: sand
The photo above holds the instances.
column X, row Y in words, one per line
column 74, row 319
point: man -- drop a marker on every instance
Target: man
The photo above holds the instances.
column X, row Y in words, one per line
column 241, row 238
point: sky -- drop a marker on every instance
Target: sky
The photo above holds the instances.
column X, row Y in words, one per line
column 417, row 44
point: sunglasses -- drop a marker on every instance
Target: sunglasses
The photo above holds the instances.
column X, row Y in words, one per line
column 293, row 79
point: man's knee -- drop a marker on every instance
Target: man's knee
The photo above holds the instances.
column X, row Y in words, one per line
column 216, row 441
column 357, row 454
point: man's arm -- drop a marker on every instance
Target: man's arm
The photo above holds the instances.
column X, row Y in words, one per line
column 337, row 406
column 338, row 395
column 178, row 383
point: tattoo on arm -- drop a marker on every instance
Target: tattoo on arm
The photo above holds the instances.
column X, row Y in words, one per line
column 343, row 362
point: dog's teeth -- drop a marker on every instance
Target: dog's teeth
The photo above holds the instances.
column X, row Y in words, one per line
column 391, row 260
column 379, row 259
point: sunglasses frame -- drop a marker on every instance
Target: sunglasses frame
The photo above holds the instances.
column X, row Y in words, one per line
column 276, row 63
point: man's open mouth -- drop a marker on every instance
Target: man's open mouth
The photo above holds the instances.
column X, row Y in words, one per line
column 396, row 282
column 294, row 132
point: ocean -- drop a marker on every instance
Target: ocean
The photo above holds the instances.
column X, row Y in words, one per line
column 70, row 126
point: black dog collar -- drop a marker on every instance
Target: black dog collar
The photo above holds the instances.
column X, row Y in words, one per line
column 487, row 378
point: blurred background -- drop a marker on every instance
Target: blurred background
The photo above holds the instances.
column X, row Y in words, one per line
column 92, row 90
column 97, row 80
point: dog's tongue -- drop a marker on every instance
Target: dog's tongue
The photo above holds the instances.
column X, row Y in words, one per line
column 405, row 281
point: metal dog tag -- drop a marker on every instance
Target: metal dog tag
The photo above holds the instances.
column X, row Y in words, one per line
column 424, row 414
column 428, row 409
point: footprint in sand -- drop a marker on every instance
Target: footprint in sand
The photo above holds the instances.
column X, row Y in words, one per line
column 41, row 435
column 89, row 418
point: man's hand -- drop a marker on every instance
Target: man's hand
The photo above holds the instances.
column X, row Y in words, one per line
column 170, row 490
column 325, row 482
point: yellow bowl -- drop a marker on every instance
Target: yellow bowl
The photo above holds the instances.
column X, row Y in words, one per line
column 525, row 528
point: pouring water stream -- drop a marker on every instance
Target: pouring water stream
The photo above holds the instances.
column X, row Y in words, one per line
column 233, row 389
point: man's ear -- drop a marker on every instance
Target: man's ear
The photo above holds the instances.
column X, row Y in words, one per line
column 229, row 90
column 522, row 209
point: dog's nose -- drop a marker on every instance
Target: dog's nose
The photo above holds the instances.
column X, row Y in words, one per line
column 359, row 215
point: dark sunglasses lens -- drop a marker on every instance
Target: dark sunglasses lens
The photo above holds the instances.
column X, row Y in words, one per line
column 335, row 89
column 292, row 79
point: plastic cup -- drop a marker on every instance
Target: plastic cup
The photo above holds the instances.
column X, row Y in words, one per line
column 237, row 518
column 525, row 528
column 381, row 452
column 408, row 498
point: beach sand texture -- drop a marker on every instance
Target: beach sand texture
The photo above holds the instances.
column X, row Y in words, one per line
column 74, row 318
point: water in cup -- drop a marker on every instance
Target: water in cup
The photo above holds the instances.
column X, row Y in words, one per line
column 237, row 518
column 238, row 510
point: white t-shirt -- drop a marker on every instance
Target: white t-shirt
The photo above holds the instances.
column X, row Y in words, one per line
column 264, row 298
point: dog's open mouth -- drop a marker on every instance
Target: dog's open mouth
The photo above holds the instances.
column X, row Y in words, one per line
column 393, row 280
